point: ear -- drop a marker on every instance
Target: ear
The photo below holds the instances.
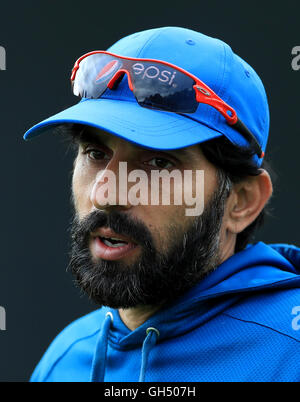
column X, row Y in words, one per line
column 247, row 200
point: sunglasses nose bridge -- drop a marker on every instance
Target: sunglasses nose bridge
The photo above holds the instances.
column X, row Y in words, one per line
column 117, row 78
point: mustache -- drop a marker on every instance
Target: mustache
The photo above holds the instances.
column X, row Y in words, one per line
column 119, row 222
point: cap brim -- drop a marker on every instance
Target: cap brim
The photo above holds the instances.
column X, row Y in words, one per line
column 126, row 119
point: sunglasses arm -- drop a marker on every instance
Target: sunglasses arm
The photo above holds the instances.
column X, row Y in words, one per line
column 207, row 96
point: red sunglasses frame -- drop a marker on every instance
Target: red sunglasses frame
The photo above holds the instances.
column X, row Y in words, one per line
column 204, row 94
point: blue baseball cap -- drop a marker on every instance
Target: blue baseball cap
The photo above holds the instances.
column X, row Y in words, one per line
column 209, row 59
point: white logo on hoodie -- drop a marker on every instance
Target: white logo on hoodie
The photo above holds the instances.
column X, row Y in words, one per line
column 296, row 320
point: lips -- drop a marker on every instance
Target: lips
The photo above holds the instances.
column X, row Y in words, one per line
column 109, row 245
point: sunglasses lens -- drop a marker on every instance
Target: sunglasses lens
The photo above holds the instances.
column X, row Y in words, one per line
column 94, row 74
column 158, row 86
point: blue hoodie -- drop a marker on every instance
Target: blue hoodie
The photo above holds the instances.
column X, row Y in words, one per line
column 241, row 323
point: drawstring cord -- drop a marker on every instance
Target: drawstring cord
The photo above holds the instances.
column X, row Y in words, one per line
column 99, row 359
column 148, row 344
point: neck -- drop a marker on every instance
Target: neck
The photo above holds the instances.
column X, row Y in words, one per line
column 136, row 316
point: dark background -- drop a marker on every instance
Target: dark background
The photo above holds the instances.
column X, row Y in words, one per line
column 42, row 40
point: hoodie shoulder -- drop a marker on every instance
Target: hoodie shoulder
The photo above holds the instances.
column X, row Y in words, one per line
column 274, row 302
column 78, row 331
column 276, row 310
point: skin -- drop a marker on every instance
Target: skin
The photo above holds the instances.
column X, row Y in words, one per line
column 101, row 151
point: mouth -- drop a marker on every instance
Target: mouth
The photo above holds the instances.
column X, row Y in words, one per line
column 109, row 245
column 113, row 242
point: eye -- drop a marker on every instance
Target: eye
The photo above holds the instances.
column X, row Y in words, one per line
column 96, row 154
column 160, row 163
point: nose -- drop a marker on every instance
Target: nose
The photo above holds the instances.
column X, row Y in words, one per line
column 109, row 190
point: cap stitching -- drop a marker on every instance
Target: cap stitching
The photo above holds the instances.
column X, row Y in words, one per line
column 227, row 98
column 213, row 115
column 152, row 37
column 223, row 87
column 223, row 93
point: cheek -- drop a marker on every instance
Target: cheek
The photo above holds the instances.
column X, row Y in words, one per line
column 81, row 186
column 167, row 223
column 161, row 218
column 210, row 184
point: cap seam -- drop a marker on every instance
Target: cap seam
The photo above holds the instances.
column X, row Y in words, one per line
column 222, row 87
column 147, row 43
column 227, row 97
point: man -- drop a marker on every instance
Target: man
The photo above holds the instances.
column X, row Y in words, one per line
column 183, row 296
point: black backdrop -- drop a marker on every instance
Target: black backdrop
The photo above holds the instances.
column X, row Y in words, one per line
column 42, row 41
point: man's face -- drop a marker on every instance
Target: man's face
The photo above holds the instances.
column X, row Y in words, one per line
column 125, row 255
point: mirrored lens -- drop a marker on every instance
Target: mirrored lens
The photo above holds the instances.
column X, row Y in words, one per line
column 94, row 74
column 158, row 86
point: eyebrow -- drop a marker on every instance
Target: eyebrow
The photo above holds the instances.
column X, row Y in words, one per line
column 85, row 136
column 181, row 151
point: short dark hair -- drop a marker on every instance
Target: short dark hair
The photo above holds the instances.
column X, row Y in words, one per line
column 234, row 164
column 237, row 163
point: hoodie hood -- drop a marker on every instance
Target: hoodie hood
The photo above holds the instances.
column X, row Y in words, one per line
column 256, row 269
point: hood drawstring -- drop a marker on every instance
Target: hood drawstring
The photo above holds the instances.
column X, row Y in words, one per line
column 99, row 359
column 149, row 342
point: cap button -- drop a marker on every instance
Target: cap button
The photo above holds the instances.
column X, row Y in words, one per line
column 190, row 42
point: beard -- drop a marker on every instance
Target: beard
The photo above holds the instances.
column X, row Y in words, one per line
column 156, row 277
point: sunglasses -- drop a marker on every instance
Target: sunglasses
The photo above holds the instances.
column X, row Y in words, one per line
column 155, row 84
